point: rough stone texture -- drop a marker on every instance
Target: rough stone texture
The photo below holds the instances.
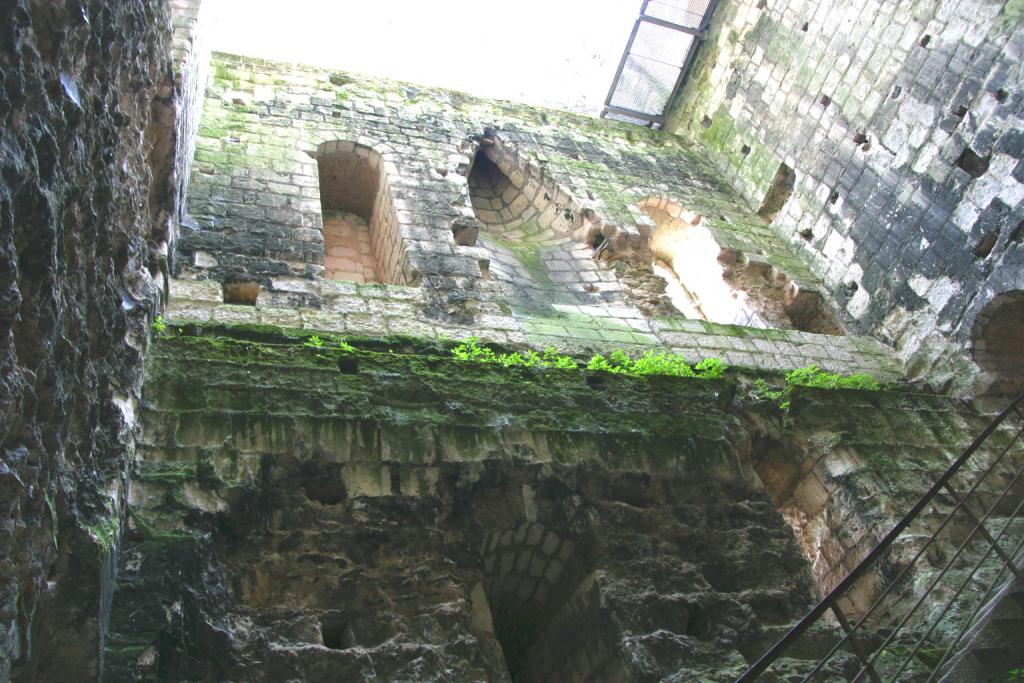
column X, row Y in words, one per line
column 190, row 56
column 393, row 512
column 81, row 88
column 349, row 308
column 902, row 123
column 493, row 210
column 414, row 518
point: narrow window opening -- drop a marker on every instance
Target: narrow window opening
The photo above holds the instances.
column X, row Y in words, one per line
column 745, row 150
column 326, row 490
column 241, row 293
column 833, row 197
column 961, row 111
column 336, row 634
column 762, row 4
column 805, row 27
column 1001, row 95
column 984, row 247
column 925, row 40
column 705, row 122
column 826, row 101
column 860, row 138
column 896, row 92
column 348, row 365
column 362, row 242
column 972, row 163
column 778, row 193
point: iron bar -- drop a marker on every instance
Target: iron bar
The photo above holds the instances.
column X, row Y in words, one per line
column 855, row 644
column 909, row 565
column 984, row 601
column 635, row 114
column 959, row 590
column 869, row 560
column 675, row 27
column 949, row 564
column 984, row 532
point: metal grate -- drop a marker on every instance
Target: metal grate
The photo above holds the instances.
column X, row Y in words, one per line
column 656, row 59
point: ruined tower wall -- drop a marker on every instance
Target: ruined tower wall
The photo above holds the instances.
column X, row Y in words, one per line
column 269, row 131
column 901, row 121
column 88, row 118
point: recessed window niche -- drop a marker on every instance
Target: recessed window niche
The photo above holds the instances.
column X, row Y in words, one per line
column 778, row 193
column 707, row 282
column 240, row 293
column 362, row 242
column 998, row 342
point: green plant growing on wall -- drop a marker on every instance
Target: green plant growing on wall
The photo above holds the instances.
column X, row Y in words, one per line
column 654, row 363
column 618, row 361
column 159, row 326
column 815, row 377
column 314, row 342
column 470, row 350
column 345, row 346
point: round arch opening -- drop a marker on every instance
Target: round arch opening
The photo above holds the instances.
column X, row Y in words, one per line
column 998, row 342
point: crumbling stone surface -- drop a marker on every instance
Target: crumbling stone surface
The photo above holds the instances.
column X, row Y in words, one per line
column 81, row 87
column 499, row 211
column 515, row 224
column 414, row 518
column 401, row 514
column 902, row 124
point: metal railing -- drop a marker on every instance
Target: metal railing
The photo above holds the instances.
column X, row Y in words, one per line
column 912, row 646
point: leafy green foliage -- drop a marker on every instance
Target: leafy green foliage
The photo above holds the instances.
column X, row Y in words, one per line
column 618, row 361
column 159, row 325
column 813, row 376
column 345, row 346
column 654, row 363
column 470, row 350
column 314, row 342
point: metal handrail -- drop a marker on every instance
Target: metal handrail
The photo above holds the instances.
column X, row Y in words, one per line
column 830, row 601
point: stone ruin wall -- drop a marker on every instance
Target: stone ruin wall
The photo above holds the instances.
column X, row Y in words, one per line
column 255, row 204
column 397, row 514
column 90, row 121
column 509, row 250
column 900, row 123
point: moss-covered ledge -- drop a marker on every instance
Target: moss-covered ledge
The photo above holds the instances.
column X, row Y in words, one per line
column 232, row 380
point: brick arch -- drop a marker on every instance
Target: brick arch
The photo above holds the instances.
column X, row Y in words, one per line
column 515, row 199
column 997, row 341
column 723, row 285
column 362, row 239
column 531, row 577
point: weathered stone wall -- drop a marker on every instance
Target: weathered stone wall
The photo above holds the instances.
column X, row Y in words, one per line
column 80, row 90
column 901, row 121
column 299, row 510
column 395, row 514
column 547, row 272
column 190, row 54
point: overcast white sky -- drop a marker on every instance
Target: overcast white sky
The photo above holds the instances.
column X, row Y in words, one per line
column 560, row 53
